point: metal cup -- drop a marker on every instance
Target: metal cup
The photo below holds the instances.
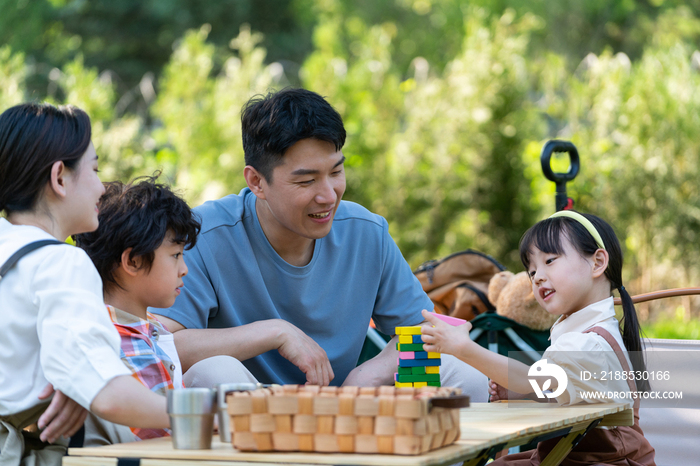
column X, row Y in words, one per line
column 222, row 389
column 191, row 413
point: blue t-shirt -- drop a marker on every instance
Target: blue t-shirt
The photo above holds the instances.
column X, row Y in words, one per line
column 356, row 273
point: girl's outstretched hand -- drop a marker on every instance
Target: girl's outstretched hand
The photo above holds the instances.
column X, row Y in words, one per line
column 440, row 337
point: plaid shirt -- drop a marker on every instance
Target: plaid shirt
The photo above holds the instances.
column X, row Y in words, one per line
column 148, row 362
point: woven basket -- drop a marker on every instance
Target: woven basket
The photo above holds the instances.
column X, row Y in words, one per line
column 403, row 421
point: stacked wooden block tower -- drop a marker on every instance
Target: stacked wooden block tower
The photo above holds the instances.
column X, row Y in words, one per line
column 417, row 368
column 386, row 419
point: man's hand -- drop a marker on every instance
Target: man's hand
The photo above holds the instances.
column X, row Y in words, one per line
column 497, row 392
column 63, row 417
column 305, row 353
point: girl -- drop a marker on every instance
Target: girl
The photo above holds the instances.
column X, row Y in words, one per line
column 55, row 331
column 574, row 262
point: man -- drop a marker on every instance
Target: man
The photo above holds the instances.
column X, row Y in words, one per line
column 286, row 265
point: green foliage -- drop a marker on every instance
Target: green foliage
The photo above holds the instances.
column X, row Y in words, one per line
column 12, row 72
column 457, row 161
column 199, row 138
column 673, row 328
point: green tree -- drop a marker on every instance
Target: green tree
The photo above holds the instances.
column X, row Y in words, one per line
column 12, row 73
column 198, row 136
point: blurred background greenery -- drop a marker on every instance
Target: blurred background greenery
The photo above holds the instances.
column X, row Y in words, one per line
column 447, row 104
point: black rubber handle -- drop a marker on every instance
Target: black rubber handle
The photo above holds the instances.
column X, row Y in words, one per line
column 560, row 179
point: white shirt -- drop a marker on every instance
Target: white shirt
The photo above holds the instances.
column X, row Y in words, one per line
column 167, row 343
column 53, row 323
column 577, row 352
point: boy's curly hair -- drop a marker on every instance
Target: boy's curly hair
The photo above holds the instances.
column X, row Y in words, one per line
column 137, row 215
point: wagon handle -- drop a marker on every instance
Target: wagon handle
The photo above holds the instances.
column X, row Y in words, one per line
column 560, row 179
column 642, row 298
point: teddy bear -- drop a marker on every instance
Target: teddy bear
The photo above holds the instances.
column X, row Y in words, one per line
column 513, row 298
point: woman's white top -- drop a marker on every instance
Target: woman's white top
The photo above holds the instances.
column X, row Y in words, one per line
column 577, row 352
column 54, row 327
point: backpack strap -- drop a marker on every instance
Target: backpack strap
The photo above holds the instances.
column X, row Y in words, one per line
column 620, row 353
column 23, row 251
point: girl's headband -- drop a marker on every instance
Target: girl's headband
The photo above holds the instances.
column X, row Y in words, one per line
column 583, row 221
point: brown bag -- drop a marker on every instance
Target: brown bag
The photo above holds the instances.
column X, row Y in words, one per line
column 458, row 284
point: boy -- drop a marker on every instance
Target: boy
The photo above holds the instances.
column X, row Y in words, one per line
column 137, row 250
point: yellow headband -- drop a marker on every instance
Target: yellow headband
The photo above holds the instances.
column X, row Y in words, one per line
column 583, row 221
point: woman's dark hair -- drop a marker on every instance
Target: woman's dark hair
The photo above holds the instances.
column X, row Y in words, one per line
column 137, row 215
column 33, row 136
column 546, row 236
column 273, row 123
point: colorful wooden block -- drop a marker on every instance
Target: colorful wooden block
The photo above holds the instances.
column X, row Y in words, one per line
column 405, row 370
column 416, row 339
column 408, row 339
column 454, row 321
column 431, row 355
column 418, row 378
column 432, row 369
column 420, row 384
column 411, row 347
column 414, row 330
column 418, row 362
column 419, row 370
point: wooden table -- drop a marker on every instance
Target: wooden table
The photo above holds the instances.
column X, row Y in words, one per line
column 486, row 428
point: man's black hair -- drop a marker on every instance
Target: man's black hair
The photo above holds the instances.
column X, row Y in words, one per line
column 137, row 215
column 273, row 123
